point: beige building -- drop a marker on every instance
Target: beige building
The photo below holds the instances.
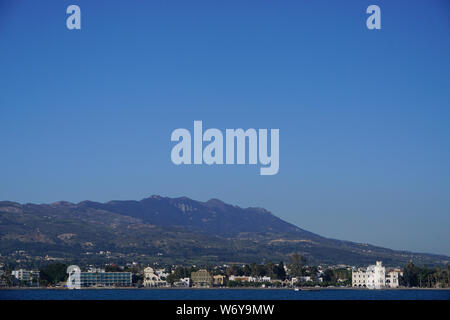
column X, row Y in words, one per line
column 201, row 278
column 392, row 278
column 219, row 280
column 152, row 279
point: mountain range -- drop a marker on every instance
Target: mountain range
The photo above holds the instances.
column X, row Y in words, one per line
column 176, row 230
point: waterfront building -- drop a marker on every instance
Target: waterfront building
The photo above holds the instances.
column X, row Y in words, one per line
column 219, row 280
column 105, row 279
column 374, row 277
column 392, row 278
column 152, row 278
column 26, row 275
column 249, row 278
column 162, row 274
column 240, row 278
column 305, row 279
column 359, row 278
column 201, row 278
column 184, row 282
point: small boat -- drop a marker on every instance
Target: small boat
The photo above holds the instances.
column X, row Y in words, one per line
column 297, row 289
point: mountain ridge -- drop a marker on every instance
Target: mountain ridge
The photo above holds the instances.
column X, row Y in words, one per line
column 179, row 229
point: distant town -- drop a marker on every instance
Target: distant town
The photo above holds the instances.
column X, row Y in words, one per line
column 296, row 274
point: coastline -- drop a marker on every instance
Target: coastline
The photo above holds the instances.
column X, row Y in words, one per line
column 221, row 288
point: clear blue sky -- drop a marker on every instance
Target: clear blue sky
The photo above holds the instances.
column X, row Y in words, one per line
column 364, row 116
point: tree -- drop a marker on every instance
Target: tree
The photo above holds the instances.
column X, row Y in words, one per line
column 280, row 272
column 178, row 273
column 410, row 276
column 297, row 264
column 257, row 270
column 54, row 273
column 329, row 276
column 446, row 276
column 246, row 270
column 137, row 278
column 235, row 270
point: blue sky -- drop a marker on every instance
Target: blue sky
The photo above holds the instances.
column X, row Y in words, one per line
column 364, row 116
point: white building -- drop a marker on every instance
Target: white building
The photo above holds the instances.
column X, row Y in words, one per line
column 152, row 279
column 249, row 278
column 359, row 278
column 185, row 282
column 162, row 273
column 26, row 275
column 375, row 277
column 305, row 278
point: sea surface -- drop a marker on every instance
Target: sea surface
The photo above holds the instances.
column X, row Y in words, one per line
column 222, row 294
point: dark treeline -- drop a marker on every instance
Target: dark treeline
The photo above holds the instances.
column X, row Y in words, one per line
column 424, row 277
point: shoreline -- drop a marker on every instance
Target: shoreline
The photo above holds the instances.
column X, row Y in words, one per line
column 222, row 288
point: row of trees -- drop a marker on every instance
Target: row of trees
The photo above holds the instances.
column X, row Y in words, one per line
column 272, row 270
column 424, row 277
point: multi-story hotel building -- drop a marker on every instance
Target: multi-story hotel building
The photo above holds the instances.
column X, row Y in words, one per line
column 26, row 275
column 105, row 279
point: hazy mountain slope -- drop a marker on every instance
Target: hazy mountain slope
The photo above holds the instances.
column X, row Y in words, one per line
column 174, row 230
column 213, row 217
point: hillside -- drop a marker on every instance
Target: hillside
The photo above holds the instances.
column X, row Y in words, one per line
column 175, row 230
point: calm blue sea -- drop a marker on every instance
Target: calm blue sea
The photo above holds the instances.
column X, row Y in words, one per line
column 222, row 294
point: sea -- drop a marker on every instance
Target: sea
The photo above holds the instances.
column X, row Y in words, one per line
column 223, row 294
